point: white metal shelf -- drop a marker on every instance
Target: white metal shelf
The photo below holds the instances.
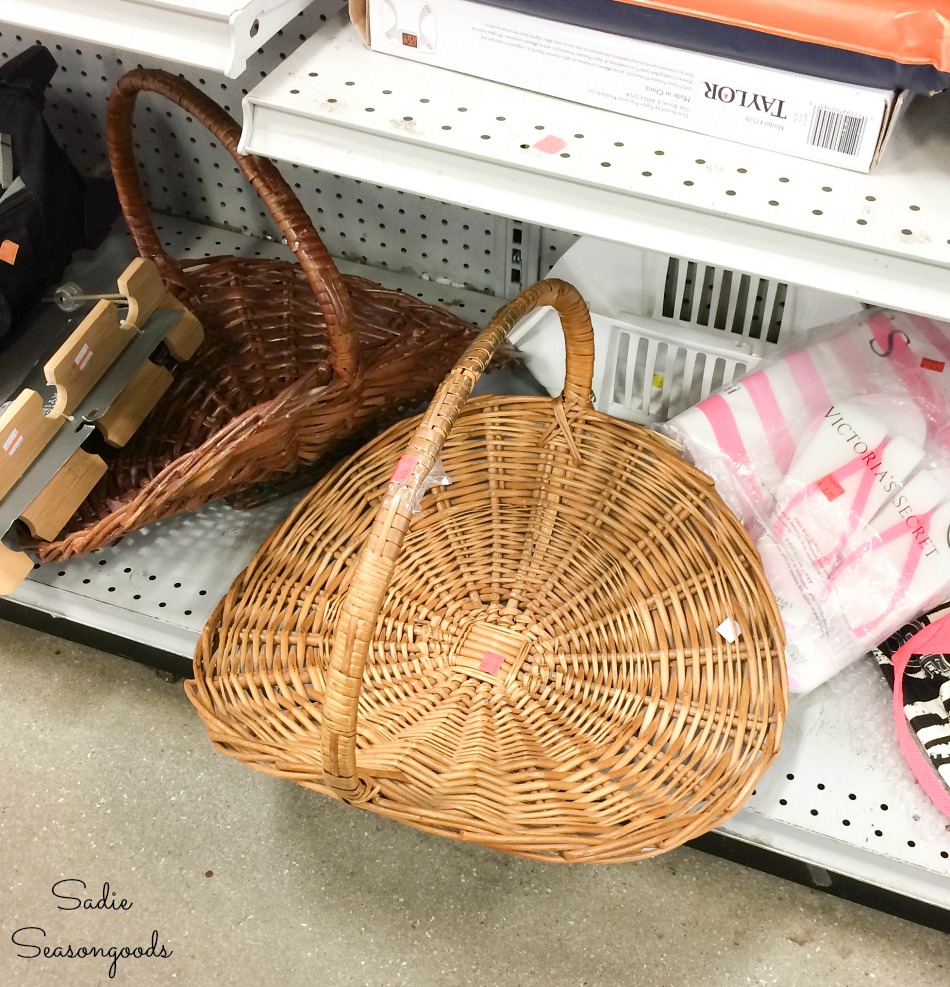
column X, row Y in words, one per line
column 841, row 798
column 213, row 34
column 882, row 238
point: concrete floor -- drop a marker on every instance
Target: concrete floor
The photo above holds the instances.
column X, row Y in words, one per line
column 108, row 778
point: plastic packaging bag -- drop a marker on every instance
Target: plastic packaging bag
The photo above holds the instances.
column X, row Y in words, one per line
column 836, row 456
column 915, row 33
column 436, row 477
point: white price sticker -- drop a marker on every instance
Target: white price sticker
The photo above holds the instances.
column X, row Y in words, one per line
column 729, row 629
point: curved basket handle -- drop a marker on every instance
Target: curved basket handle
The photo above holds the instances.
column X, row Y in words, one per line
column 276, row 194
column 377, row 560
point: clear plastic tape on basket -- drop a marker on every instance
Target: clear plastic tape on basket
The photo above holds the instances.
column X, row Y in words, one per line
column 836, row 457
column 436, row 477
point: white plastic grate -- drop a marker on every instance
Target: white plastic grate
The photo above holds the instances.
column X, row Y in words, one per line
column 655, row 371
column 668, row 331
column 706, row 295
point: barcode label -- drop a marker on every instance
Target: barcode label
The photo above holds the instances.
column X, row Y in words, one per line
column 836, row 131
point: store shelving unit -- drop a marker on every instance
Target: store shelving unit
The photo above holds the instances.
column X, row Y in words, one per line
column 838, row 809
column 218, row 35
column 882, row 238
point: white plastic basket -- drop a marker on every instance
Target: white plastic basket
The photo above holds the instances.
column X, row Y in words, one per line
column 668, row 331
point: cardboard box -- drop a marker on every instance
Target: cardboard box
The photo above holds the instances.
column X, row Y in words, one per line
column 796, row 114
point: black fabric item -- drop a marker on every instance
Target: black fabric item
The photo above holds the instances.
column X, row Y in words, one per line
column 47, row 219
column 22, row 224
column 926, row 692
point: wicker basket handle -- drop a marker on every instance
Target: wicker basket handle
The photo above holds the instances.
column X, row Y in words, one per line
column 377, row 560
column 276, row 194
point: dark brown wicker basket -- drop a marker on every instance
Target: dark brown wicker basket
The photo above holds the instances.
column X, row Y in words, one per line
column 297, row 358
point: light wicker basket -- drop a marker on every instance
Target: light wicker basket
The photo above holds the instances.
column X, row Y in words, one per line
column 570, row 653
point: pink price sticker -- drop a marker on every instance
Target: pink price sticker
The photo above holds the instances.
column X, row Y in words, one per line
column 13, row 442
column 491, row 662
column 830, row 487
column 404, row 469
column 936, row 365
column 550, row 144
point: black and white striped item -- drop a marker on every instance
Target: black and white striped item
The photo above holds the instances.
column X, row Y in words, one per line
column 926, row 687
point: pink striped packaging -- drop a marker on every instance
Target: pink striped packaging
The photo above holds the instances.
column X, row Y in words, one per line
column 824, row 452
column 848, row 463
column 745, row 436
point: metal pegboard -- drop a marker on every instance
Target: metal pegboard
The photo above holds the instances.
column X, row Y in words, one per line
column 187, row 239
column 186, row 173
column 76, row 100
column 162, row 583
column 883, row 237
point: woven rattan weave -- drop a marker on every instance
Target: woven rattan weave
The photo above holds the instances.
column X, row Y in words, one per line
column 570, row 653
column 296, row 359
